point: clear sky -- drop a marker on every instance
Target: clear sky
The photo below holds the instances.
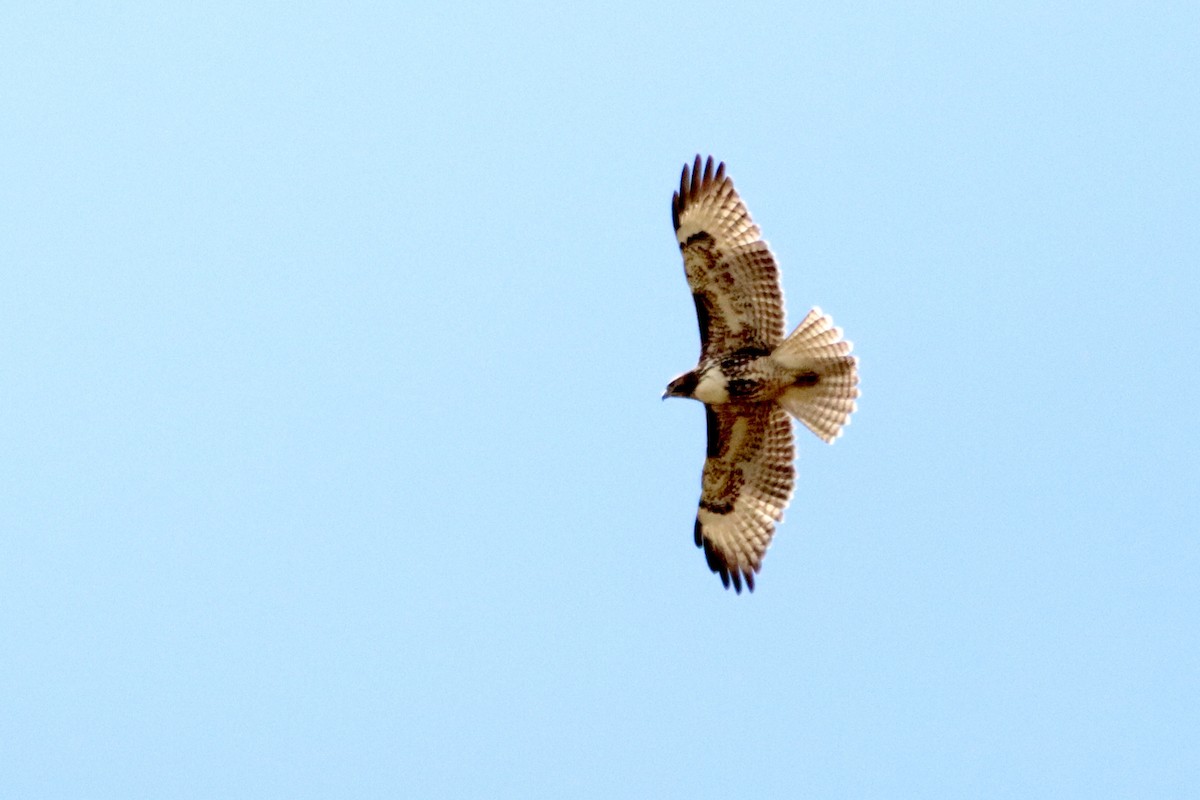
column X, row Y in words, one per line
column 333, row 464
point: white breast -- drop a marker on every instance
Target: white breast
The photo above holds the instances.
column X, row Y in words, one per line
column 712, row 387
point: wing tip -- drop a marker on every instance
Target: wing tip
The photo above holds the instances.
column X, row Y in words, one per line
column 695, row 179
column 717, row 562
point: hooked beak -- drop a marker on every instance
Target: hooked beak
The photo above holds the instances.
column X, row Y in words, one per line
column 678, row 387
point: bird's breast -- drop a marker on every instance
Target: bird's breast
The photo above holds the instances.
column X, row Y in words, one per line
column 712, row 387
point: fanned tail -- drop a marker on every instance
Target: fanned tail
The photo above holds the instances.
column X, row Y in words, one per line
column 827, row 375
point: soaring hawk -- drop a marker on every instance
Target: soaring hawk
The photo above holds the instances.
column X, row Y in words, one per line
column 750, row 377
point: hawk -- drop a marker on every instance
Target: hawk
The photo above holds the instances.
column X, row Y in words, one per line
column 751, row 378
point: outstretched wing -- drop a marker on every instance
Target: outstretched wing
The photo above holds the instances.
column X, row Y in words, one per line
column 734, row 279
column 748, row 479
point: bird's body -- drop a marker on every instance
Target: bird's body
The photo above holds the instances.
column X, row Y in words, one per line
column 750, row 378
column 748, row 375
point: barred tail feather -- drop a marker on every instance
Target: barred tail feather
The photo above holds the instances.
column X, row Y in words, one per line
column 827, row 375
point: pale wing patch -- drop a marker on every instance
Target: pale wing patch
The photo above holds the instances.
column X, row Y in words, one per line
column 748, row 480
column 729, row 267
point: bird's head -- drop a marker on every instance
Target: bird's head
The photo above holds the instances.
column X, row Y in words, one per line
column 683, row 386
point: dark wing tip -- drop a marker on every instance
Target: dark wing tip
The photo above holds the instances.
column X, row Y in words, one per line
column 695, row 178
column 718, row 564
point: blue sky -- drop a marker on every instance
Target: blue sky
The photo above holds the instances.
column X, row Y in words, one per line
column 334, row 460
